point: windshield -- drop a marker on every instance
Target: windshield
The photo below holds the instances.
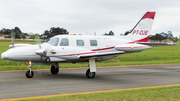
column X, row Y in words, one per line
column 54, row 41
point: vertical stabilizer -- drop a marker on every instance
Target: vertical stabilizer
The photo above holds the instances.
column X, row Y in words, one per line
column 141, row 31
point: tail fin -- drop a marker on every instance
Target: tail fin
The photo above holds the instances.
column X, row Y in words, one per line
column 141, row 31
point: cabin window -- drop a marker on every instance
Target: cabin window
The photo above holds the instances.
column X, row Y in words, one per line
column 80, row 42
column 53, row 41
column 64, row 42
column 93, row 42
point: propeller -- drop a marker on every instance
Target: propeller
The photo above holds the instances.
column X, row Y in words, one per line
column 12, row 38
column 39, row 52
column 38, row 41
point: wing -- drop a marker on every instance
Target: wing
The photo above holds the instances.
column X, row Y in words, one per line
column 158, row 44
column 100, row 55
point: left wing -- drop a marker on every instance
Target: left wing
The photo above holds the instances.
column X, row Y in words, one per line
column 99, row 55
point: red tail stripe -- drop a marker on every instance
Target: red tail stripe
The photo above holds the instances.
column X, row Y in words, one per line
column 149, row 15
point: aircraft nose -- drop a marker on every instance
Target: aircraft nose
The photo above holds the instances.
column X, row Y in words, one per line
column 2, row 55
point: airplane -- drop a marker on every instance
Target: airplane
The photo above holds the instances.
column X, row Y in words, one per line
column 82, row 48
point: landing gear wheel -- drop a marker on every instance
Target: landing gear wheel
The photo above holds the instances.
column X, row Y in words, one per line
column 29, row 75
column 54, row 70
column 90, row 74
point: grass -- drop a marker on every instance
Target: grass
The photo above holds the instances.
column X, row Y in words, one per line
column 156, row 55
column 151, row 94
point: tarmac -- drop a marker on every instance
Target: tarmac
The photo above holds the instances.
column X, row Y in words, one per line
column 14, row 84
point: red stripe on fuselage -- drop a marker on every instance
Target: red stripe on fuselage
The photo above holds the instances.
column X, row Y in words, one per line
column 102, row 49
column 141, row 40
column 72, row 54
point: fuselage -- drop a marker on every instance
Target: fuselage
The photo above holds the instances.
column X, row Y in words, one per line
column 67, row 48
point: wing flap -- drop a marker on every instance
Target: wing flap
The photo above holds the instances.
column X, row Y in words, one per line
column 97, row 55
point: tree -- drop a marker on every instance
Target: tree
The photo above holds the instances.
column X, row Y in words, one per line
column 17, row 30
column 157, row 37
column 164, row 35
column 174, row 39
column 127, row 32
column 34, row 36
column 111, row 33
column 161, row 36
column 5, row 31
column 170, row 35
column 55, row 31
column 22, row 36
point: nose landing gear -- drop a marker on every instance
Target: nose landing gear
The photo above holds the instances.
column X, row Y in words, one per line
column 29, row 73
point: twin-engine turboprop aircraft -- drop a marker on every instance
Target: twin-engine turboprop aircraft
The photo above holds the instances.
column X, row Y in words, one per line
column 66, row 48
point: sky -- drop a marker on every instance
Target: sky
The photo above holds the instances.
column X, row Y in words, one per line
column 88, row 16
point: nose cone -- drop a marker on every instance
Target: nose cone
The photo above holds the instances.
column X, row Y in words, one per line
column 2, row 55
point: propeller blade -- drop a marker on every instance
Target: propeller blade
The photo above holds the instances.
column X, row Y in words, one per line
column 12, row 38
column 38, row 41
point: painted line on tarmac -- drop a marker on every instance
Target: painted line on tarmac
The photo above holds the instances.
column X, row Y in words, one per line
column 92, row 92
column 88, row 67
column 83, row 75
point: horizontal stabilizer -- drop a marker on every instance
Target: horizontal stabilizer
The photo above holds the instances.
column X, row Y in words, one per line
column 132, row 47
column 159, row 44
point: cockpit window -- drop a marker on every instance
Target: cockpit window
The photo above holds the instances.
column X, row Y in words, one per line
column 53, row 41
column 64, row 42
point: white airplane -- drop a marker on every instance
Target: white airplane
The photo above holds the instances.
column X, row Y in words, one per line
column 66, row 48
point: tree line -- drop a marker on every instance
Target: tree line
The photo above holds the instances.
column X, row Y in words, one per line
column 61, row 31
column 21, row 35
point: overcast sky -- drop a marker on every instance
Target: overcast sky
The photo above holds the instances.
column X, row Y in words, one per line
column 88, row 16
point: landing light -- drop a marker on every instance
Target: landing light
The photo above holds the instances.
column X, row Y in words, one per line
column 29, row 62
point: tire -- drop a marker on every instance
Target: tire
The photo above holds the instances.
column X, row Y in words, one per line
column 90, row 74
column 54, row 70
column 28, row 75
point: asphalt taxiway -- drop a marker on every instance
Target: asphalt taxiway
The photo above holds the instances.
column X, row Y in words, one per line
column 14, row 84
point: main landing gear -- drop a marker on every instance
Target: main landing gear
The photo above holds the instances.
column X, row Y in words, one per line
column 90, row 74
column 54, row 68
